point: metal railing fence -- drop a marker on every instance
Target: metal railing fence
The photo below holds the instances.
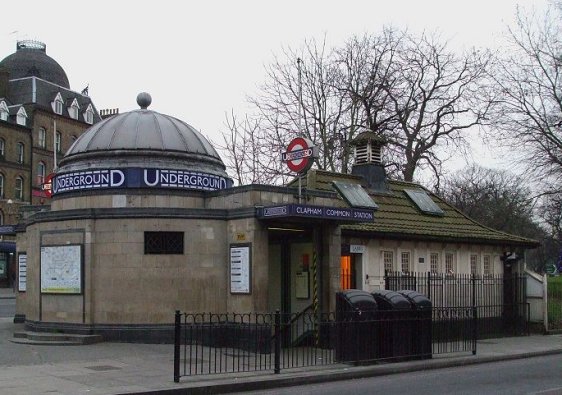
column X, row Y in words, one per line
column 210, row 343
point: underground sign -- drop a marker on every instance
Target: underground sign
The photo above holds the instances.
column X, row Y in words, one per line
column 299, row 155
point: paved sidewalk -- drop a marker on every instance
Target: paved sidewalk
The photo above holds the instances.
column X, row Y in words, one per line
column 7, row 293
column 119, row 368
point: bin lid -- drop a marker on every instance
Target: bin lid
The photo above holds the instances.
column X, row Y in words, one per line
column 391, row 300
column 358, row 299
column 418, row 300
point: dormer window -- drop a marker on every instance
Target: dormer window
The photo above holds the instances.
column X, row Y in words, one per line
column 21, row 117
column 74, row 109
column 57, row 104
column 4, row 112
column 89, row 115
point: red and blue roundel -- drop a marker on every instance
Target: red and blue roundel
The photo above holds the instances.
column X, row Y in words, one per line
column 299, row 155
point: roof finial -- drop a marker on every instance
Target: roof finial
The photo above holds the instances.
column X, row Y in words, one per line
column 143, row 100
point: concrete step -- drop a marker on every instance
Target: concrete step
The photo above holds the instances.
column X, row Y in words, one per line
column 54, row 339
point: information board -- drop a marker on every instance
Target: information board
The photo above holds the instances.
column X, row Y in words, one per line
column 61, row 269
column 240, row 269
column 22, row 272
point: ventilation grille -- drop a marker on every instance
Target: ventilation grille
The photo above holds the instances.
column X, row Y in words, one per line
column 368, row 153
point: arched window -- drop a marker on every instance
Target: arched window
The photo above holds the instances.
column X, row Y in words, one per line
column 1, row 186
column 41, row 173
column 18, row 190
column 41, row 138
column 21, row 152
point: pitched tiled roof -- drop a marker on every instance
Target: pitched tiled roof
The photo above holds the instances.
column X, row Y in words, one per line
column 398, row 217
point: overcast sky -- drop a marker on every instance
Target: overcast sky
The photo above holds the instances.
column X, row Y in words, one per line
column 200, row 59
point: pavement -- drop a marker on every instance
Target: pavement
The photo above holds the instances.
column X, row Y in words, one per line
column 125, row 368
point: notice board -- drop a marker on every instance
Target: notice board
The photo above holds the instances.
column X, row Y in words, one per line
column 61, row 269
column 240, row 268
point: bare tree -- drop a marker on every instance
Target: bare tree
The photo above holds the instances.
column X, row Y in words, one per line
column 528, row 105
column 495, row 198
column 436, row 98
column 411, row 90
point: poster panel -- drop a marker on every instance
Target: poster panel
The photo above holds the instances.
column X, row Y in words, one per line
column 61, row 269
column 240, row 263
column 22, row 272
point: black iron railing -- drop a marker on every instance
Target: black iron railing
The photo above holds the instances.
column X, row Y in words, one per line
column 227, row 343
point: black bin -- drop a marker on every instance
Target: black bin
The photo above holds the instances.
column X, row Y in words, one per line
column 356, row 335
column 395, row 325
column 421, row 309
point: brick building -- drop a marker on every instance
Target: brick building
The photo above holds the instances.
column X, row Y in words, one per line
column 40, row 117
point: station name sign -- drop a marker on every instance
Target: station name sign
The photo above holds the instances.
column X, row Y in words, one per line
column 137, row 178
column 320, row 212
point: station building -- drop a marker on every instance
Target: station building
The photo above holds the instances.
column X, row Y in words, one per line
column 144, row 220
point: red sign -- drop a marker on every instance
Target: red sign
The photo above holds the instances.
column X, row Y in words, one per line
column 299, row 155
column 47, row 185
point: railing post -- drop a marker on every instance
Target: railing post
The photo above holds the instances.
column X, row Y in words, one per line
column 474, row 314
column 177, row 342
column 277, row 347
column 429, row 285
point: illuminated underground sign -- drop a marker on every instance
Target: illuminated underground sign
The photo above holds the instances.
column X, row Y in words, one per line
column 137, row 178
column 322, row 212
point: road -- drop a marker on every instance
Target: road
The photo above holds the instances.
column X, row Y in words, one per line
column 7, row 307
column 540, row 375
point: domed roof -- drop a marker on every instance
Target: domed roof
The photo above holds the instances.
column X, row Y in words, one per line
column 31, row 59
column 143, row 136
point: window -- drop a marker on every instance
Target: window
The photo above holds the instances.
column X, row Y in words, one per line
column 89, row 115
column 18, row 191
column 487, row 264
column 163, row 242
column 1, row 217
column 57, row 104
column 20, row 152
column 434, row 262
column 2, row 147
column 41, row 173
column 21, row 117
column 473, row 264
column 1, row 186
column 4, row 112
column 405, row 262
column 41, row 138
column 74, row 110
column 450, row 263
column 58, row 142
column 388, row 261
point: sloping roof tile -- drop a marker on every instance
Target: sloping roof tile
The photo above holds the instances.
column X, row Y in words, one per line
column 399, row 217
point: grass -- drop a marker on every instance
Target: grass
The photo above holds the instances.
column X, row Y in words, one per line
column 555, row 302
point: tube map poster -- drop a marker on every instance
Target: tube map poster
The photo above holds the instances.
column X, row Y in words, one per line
column 61, row 269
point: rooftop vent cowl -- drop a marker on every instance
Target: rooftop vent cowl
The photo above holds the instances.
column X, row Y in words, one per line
column 368, row 160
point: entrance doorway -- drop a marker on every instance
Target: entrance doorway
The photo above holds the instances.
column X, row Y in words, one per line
column 291, row 279
column 351, row 271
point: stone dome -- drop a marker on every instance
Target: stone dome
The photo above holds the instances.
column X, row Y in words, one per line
column 31, row 59
column 143, row 138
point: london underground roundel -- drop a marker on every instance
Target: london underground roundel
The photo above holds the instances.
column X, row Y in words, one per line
column 299, row 155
